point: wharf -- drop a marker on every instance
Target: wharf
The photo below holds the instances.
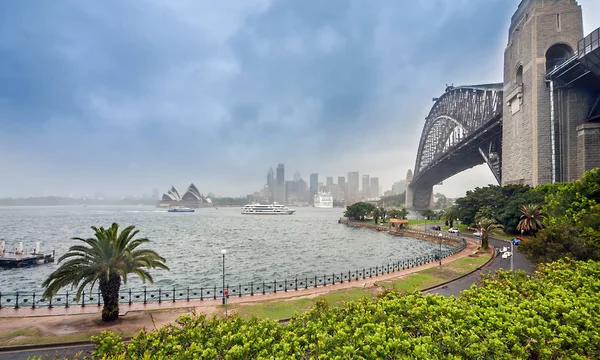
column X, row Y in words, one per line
column 19, row 260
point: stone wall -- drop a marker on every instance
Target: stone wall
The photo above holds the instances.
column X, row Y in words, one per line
column 526, row 139
column 588, row 143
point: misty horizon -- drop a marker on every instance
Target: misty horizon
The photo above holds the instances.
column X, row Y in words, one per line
column 124, row 97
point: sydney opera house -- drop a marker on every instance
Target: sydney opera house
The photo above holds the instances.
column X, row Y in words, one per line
column 191, row 198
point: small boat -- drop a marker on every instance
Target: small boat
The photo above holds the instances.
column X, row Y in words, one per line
column 181, row 209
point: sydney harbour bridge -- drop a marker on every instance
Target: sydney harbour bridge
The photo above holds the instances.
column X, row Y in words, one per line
column 541, row 125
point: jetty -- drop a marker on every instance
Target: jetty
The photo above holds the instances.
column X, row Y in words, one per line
column 20, row 259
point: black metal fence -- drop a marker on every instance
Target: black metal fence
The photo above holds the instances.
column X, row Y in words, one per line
column 130, row 296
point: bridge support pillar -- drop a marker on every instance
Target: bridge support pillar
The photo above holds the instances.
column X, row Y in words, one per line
column 420, row 197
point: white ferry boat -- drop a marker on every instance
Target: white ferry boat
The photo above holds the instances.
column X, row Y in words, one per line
column 260, row 209
column 323, row 200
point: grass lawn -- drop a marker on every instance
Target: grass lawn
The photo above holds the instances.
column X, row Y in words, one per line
column 33, row 336
column 279, row 309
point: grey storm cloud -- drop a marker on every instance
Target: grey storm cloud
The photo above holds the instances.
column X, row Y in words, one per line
column 126, row 96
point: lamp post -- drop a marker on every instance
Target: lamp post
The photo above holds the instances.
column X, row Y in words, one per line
column 440, row 236
column 224, row 252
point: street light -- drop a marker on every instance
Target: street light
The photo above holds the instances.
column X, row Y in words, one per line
column 440, row 235
column 224, row 252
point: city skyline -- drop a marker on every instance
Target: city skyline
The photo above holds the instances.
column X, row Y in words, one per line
column 97, row 98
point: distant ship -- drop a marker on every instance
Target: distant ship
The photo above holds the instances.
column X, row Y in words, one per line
column 259, row 209
column 181, row 209
column 323, row 200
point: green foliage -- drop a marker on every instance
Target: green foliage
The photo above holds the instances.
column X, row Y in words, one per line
column 485, row 226
column 394, row 200
column 108, row 257
column 572, row 221
column 500, row 203
column 531, row 219
column 397, row 214
column 428, row 214
column 510, row 316
column 359, row 210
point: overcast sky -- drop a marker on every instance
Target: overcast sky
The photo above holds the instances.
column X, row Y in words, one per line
column 127, row 96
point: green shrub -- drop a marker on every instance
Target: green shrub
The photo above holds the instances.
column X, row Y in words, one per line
column 509, row 316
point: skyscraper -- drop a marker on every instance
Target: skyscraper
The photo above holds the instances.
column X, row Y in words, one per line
column 374, row 191
column 329, row 181
column 366, row 186
column 342, row 186
column 270, row 186
column 314, row 186
column 398, row 187
column 280, row 184
column 352, row 187
column 297, row 176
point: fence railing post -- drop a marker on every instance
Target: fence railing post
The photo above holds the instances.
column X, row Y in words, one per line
column 296, row 284
column 67, row 303
column 17, row 302
column 159, row 296
column 275, row 286
column 240, row 290
column 188, row 294
column 82, row 301
column 315, row 280
column 215, row 293
column 99, row 298
column 129, row 297
column 364, row 273
column 263, row 287
column 333, row 279
column 201, row 295
column 33, row 302
column 50, row 303
column 251, row 288
column 145, row 296
column 306, row 283
column 173, row 293
column 0, row 299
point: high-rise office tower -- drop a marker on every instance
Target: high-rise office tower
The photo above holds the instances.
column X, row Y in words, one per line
column 297, row 176
column 366, row 186
column 270, row 186
column 398, row 187
column 352, row 187
column 342, row 186
column 329, row 181
column 280, row 184
column 314, row 186
column 374, row 191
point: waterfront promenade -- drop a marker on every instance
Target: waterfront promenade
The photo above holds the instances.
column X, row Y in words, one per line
column 211, row 304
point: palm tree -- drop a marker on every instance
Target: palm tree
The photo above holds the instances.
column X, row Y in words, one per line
column 376, row 213
column 109, row 256
column 531, row 218
column 485, row 226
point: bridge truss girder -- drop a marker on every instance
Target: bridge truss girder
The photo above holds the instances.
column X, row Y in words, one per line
column 463, row 129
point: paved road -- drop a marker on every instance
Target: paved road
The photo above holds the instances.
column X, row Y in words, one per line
column 519, row 262
column 50, row 351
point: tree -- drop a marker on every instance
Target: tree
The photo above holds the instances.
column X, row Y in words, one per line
column 383, row 214
column 441, row 201
column 376, row 213
column 485, row 226
column 572, row 222
column 427, row 214
column 485, row 212
column 108, row 257
column 450, row 215
column 398, row 214
column 531, row 219
column 359, row 210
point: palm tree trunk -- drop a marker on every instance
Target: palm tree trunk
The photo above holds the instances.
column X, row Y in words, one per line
column 110, row 296
column 484, row 242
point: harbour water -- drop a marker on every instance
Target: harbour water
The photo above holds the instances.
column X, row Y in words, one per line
column 268, row 248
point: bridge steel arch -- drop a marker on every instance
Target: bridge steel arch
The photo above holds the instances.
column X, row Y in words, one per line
column 463, row 129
